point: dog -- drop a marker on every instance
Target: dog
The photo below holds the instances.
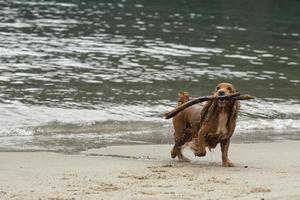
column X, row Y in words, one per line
column 207, row 125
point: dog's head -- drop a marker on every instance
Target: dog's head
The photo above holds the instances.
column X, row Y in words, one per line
column 223, row 89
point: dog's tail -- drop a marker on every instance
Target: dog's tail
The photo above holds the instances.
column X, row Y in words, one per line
column 183, row 97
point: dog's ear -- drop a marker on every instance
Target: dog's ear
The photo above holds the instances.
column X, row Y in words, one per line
column 206, row 111
column 233, row 113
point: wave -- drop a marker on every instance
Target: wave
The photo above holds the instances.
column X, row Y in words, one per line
column 257, row 115
column 28, row 127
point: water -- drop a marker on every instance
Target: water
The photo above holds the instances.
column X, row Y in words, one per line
column 76, row 75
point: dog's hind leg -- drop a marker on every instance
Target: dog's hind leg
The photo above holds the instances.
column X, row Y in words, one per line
column 181, row 136
column 176, row 152
column 179, row 142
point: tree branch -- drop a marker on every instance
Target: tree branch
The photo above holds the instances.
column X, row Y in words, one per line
column 231, row 97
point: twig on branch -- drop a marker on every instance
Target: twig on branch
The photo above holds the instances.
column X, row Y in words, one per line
column 231, row 97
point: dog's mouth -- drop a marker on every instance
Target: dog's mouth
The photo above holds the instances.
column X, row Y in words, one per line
column 221, row 101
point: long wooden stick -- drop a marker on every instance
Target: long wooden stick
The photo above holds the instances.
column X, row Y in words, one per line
column 231, row 97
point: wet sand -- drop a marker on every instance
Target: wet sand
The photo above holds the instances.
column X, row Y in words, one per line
column 263, row 171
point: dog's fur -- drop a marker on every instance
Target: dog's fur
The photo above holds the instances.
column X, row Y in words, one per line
column 206, row 126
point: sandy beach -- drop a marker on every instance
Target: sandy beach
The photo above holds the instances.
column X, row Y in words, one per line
column 85, row 87
column 263, row 171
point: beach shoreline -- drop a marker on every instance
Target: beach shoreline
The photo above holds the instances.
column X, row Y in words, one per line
column 263, row 171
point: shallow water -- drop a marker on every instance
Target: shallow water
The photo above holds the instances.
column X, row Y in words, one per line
column 78, row 75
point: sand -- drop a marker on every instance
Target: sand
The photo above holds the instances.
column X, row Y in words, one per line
column 263, row 171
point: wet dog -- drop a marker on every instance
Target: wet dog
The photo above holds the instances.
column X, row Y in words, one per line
column 206, row 126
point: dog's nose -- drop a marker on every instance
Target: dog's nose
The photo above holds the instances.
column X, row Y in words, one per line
column 221, row 93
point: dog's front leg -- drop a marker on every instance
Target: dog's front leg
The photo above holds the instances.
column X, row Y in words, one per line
column 201, row 143
column 224, row 148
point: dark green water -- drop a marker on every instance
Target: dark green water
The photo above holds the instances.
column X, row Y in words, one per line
column 82, row 74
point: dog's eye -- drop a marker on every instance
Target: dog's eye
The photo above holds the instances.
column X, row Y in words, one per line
column 229, row 89
column 217, row 88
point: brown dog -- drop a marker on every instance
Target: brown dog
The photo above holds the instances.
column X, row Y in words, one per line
column 206, row 126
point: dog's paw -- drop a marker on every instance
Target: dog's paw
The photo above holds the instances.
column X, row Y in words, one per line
column 228, row 164
column 173, row 154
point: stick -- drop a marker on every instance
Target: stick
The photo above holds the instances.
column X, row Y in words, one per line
column 231, row 97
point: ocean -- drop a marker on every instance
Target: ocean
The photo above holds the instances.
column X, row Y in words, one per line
column 76, row 75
